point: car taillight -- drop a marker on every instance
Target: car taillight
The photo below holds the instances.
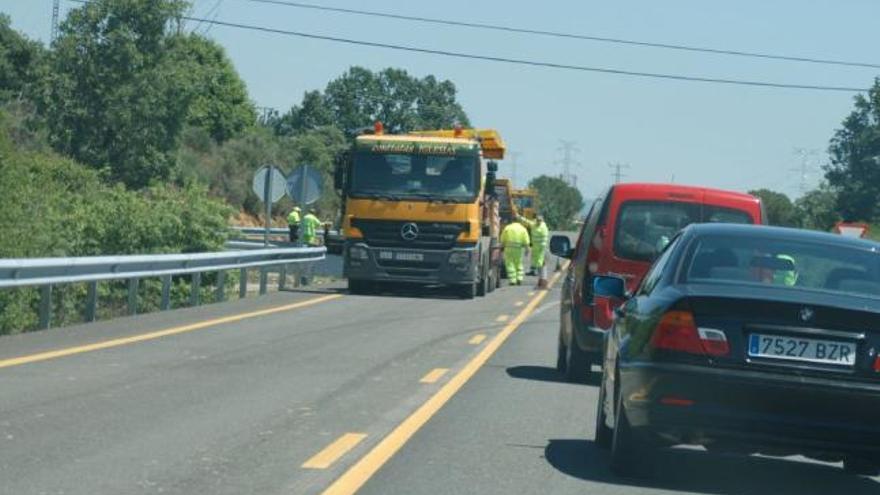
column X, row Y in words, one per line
column 677, row 331
column 877, row 364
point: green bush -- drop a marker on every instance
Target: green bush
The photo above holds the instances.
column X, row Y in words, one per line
column 57, row 207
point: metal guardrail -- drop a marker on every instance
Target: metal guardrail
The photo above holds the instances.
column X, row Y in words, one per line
column 246, row 237
column 46, row 272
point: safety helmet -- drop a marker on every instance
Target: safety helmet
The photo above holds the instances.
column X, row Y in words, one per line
column 297, row 209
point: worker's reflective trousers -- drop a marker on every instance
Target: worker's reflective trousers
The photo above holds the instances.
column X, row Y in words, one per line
column 513, row 264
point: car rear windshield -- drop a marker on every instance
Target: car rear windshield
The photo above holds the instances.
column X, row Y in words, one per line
column 645, row 227
column 794, row 264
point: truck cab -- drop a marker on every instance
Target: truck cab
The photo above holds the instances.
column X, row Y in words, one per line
column 414, row 209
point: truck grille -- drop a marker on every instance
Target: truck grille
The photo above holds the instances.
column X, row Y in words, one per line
column 431, row 235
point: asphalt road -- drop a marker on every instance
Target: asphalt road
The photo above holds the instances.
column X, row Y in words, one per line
column 286, row 393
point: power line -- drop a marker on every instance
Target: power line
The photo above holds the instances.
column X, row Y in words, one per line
column 532, row 63
column 557, row 34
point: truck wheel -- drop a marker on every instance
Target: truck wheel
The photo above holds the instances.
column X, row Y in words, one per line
column 468, row 291
column 483, row 285
column 358, row 286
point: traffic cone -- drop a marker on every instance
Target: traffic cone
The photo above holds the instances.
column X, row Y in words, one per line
column 542, row 278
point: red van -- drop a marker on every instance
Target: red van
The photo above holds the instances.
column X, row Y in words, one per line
column 627, row 227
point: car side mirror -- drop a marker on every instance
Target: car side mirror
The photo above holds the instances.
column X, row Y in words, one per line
column 560, row 245
column 609, row 287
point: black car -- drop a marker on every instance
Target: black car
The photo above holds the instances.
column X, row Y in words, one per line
column 747, row 339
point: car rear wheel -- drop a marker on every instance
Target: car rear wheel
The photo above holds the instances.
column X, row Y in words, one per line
column 861, row 467
column 604, row 434
column 561, row 355
column 628, row 458
column 577, row 364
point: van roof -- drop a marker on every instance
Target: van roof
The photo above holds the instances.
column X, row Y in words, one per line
column 681, row 192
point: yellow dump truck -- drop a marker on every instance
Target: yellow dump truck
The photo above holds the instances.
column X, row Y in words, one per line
column 420, row 208
column 526, row 202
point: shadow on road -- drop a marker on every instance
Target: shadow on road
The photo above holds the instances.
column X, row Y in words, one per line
column 546, row 374
column 700, row 472
column 539, row 373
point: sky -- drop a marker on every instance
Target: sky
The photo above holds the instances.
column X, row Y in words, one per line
column 730, row 137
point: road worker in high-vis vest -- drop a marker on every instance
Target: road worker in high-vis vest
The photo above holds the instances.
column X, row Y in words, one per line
column 514, row 242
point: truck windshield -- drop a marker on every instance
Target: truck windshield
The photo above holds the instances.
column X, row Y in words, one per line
column 446, row 178
column 523, row 202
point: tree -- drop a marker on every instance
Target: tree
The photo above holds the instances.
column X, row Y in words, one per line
column 559, row 202
column 817, row 209
column 360, row 97
column 220, row 104
column 20, row 60
column 114, row 98
column 779, row 208
column 855, row 159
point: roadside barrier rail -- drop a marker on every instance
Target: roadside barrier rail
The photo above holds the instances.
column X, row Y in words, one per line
column 47, row 272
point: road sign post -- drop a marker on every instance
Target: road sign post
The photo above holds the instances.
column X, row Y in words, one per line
column 268, row 185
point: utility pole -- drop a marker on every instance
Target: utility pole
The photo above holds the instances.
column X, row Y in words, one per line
column 618, row 174
column 55, row 8
column 568, row 149
column 806, row 167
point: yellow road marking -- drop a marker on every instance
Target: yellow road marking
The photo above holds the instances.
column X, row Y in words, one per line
column 355, row 477
column 518, row 303
column 477, row 339
column 332, row 452
column 502, row 318
column 434, row 375
column 107, row 344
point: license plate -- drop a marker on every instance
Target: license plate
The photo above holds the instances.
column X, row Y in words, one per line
column 401, row 256
column 802, row 349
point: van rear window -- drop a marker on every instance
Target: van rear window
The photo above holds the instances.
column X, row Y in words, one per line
column 645, row 227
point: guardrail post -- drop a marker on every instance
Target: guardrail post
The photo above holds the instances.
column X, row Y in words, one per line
column 242, row 283
column 132, row 296
column 264, row 279
column 92, row 302
column 194, row 290
column 45, row 306
column 220, row 290
column 165, row 304
column 282, row 277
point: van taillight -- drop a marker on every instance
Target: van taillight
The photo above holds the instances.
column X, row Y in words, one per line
column 677, row 331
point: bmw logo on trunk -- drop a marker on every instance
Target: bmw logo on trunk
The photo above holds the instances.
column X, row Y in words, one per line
column 806, row 314
column 409, row 231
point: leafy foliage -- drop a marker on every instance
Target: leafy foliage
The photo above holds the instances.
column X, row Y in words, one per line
column 114, row 97
column 817, row 210
column 360, row 97
column 560, row 202
column 855, row 159
column 220, row 104
column 779, row 208
column 20, row 62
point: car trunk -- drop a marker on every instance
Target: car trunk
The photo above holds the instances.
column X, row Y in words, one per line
column 791, row 331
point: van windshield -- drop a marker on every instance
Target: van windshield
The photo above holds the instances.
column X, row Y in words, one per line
column 645, row 227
